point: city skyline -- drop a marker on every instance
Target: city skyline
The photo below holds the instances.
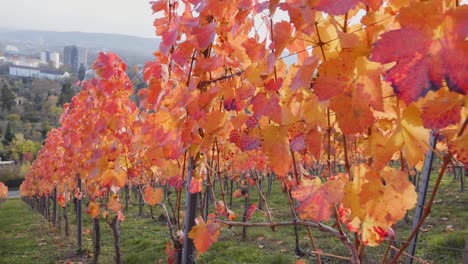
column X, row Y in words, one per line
column 103, row 16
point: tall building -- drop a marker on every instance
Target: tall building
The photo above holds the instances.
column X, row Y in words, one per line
column 74, row 56
column 51, row 57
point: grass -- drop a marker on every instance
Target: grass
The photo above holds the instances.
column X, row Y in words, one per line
column 26, row 237
column 143, row 240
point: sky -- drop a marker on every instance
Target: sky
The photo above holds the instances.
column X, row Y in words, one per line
column 129, row 17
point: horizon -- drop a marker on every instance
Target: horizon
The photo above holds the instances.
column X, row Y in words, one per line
column 10, row 29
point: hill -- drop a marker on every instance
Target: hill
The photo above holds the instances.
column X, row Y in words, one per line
column 135, row 49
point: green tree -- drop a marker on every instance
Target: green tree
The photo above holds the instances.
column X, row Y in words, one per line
column 20, row 146
column 7, row 98
column 81, row 72
column 66, row 95
column 9, row 135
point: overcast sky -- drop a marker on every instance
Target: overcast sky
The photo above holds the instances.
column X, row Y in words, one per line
column 130, row 17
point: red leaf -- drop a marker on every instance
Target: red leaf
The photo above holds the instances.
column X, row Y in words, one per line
column 273, row 85
column 336, row 7
column 61, row 200
column 267, row 105
column 231, row 104
column 251, row 211
column 316, row 199
column 170, row 252
column 108, row 65
column 177, row 182
column 434, row 117
column 168, row 39
column 205, row 35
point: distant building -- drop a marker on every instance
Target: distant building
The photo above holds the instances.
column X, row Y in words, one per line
column 51, row 57
column 74, row 56
column 32, row 72
column 20, row 60
column 23, row 61
column 11, row 48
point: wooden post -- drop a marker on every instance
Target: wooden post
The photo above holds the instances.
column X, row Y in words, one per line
column 462, row 178
column 79, row 225
column 65, row 212
column 188, row 256
column 246, row 212
column 54, row 213
column 465, row 252
column 426, row 173
column 96, row 240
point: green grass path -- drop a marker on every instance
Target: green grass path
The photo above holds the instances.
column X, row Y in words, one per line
column 26, row 237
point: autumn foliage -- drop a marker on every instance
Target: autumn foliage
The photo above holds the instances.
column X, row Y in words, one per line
column 289, row 88
column 3, row 191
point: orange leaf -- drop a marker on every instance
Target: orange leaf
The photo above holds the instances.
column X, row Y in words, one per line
column 221, row 209
column 196, row 185
column 215, row 122
column 93, row 209
column 372, row 207
column 255, row 50
column 61, row 200
column 114, row 203
column 353, row 116
column 275, row 144
column 335, row 75
column 237, row 193
column 459, row 147
column 305, row 73
column 153, row 197
column 282, row 32
column 204, row 234
column 110, row 178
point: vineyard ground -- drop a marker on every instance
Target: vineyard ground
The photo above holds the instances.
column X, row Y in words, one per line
column 26, row 237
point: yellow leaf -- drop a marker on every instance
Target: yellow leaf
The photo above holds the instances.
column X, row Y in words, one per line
column 372, row 207
column 415, row 136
